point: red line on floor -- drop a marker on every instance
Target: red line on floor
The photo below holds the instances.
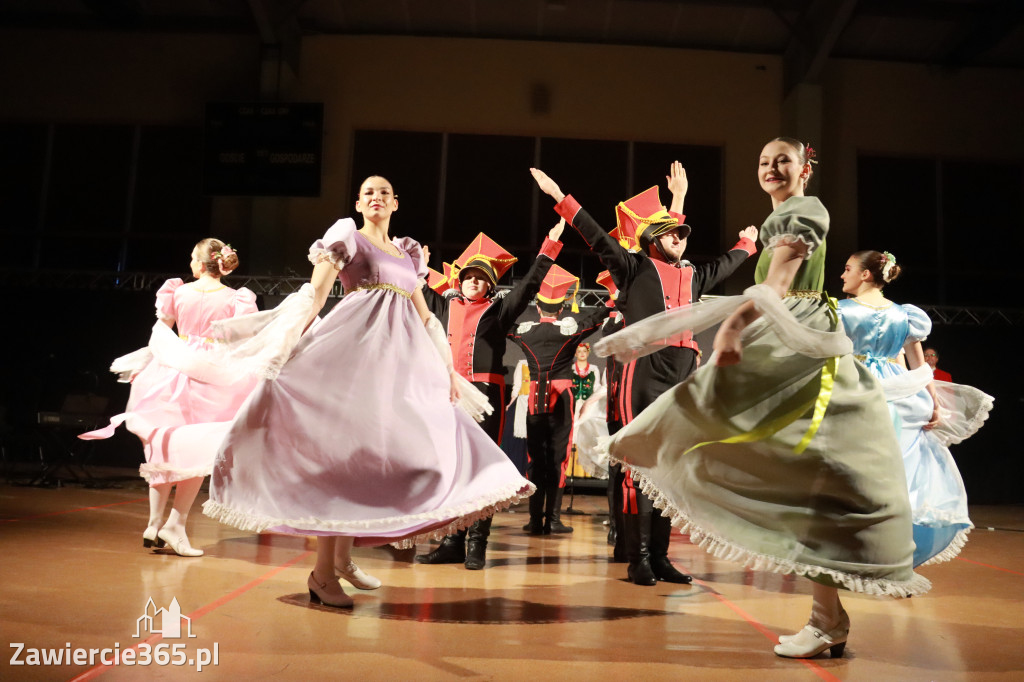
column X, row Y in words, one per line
column 998, row 568
column 72, row 511
column 769, row 635
column 95, row 672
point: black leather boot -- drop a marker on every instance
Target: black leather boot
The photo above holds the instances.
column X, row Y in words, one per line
column 610, row 492
column 615, row 512
column 452, row 550
column 476, row 544
column 637, row 529
column 554, row 520
column 536, row 524
column 661, row 534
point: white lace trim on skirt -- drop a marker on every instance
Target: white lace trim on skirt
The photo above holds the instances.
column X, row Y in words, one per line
column 952, row 550
column 167, row 473
column 723, row 548
column 463, row 516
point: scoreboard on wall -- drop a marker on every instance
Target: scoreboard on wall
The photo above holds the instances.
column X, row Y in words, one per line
column 263, row 149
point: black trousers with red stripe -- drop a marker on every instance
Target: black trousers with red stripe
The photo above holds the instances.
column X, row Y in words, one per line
column 642, row 382
column 493, row 423
column 547, row 444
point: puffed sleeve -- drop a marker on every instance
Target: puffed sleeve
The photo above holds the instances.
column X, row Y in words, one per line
column 798, row 219
column 165, row 309
column 338, row 244
column 245, row 302
column 412, row 248
column 920, row 323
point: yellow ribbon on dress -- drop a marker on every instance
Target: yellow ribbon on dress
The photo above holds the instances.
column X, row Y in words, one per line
column 824, row 397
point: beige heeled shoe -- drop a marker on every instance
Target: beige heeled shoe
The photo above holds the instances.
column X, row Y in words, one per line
column 811, row 641
column 179, row 543
column 328, row 593
column 358, row 577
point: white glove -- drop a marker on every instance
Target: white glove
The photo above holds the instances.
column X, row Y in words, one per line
column 440, row 340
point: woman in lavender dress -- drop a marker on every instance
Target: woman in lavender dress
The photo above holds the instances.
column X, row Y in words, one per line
column 355, row 437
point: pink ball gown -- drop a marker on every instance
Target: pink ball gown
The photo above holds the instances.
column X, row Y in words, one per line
column 356, row 434
column 175, row 381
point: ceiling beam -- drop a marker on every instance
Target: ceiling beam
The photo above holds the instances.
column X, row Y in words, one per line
column 813, row 38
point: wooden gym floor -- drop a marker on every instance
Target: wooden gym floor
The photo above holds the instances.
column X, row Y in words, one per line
column 75, row 576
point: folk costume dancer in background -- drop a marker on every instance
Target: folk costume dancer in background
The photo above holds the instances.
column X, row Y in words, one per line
column 651, row 280
column 476, row 321
column 550, row 349
column 613, row 382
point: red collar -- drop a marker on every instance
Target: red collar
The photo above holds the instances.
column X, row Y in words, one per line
column 552, row 320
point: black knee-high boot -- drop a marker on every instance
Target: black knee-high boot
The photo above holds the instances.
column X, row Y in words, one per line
column 554, row 520
column 638, row 537
column 535, row 526
column 661, row 534
column 476, row 544
column 452, row 550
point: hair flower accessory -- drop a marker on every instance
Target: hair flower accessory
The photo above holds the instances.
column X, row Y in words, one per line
column 812, row 156
column 221, row 255
column 890, row 260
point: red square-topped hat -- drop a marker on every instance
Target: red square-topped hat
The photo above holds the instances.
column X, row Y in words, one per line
column 556, row 285
column 644, row 217
column 628, row 243
column 441, row 282
column 487, row 255
column 604, row 278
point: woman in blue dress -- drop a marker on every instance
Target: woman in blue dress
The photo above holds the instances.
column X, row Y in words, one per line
column 880, row 329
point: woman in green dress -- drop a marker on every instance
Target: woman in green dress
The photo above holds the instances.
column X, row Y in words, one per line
column 770, row 454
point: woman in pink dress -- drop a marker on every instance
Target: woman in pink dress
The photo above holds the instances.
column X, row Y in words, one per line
column 353, row 435
column 176, row 383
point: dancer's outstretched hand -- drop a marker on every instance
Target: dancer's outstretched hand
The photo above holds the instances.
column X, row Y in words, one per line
column 555, row 233
column 676, row 179
column 425, row 250
column 750, row 233
column 546, row 184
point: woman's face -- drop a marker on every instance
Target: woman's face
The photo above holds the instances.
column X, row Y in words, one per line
column 582, row 353
column 376, row 199
column 196, row 265
column 780, row 172
column 854, row 277
column 474, row 283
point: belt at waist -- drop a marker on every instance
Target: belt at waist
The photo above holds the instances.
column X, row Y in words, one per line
column 200, row 339
column 384, row 287
column 486, row 377
column 803, row 293
column 864, row 358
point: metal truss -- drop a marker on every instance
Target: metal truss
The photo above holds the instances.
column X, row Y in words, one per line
column 282, row 285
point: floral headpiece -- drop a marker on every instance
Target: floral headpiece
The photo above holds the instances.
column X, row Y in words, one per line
column 812, row 156
column 890, row 260
column 219, row 256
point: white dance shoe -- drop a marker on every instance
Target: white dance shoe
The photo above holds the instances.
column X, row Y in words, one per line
column 179, row 543
column 357, row 576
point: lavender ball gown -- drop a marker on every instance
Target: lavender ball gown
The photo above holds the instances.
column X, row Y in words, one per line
column 356, row 435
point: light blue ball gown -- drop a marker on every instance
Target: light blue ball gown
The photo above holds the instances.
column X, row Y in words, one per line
column 937, row 495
